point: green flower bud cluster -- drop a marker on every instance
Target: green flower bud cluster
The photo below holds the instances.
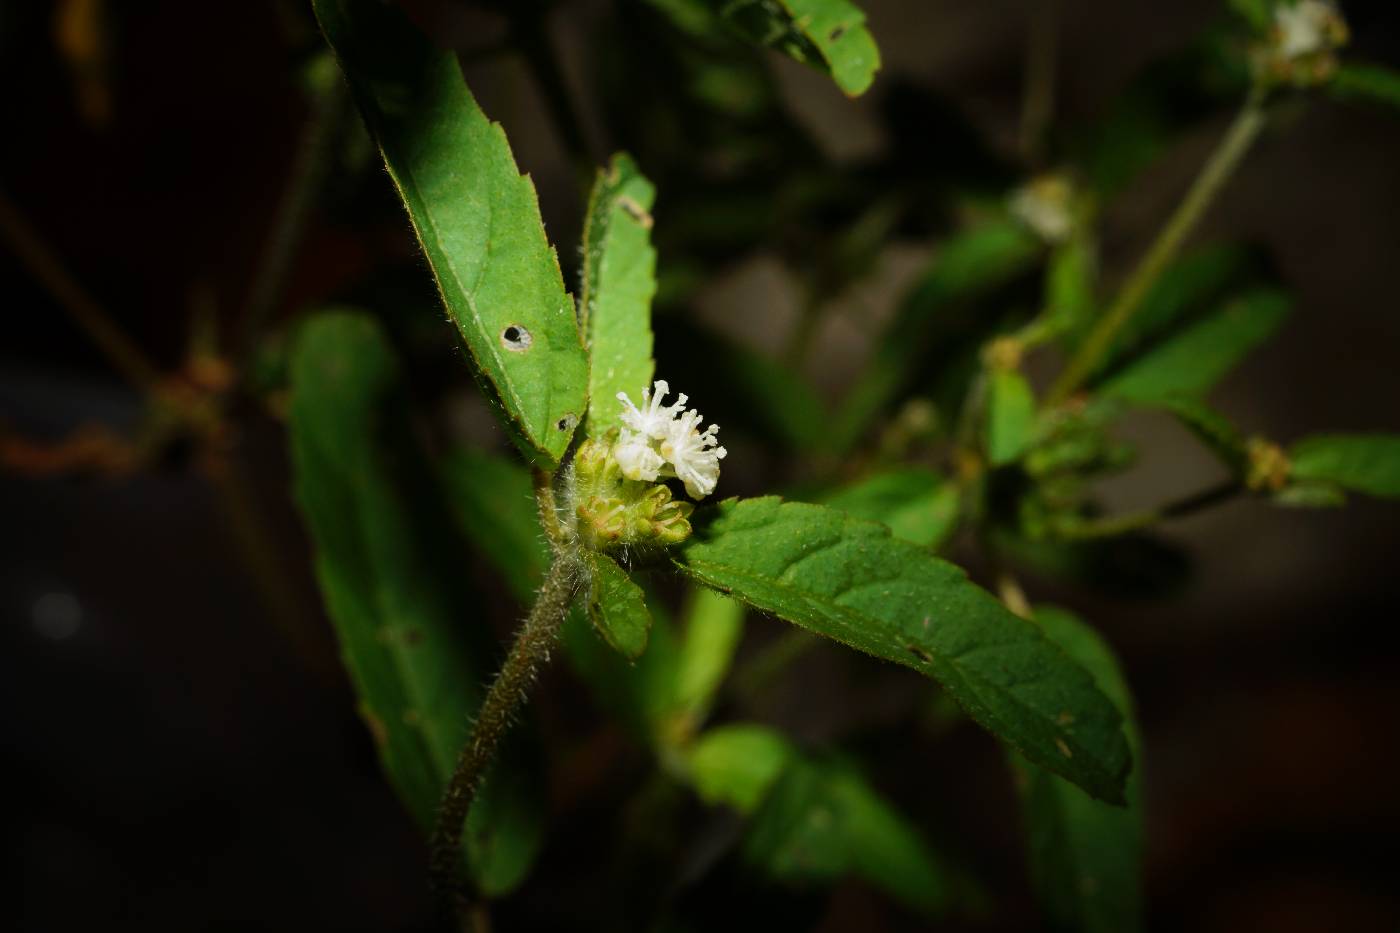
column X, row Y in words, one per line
column 613, row 511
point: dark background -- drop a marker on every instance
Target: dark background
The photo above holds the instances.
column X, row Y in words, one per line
column 182, row 756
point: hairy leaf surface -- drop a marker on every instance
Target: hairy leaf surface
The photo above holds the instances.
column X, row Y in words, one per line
column 850, row 581
column 477, row 218
column 616, row 607
column 619, row 280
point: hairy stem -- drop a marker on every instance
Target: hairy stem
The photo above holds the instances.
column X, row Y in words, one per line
column 1217, row 171
column 545, row 502
column 1136, row 521
column 503, row 700
column 125, row 356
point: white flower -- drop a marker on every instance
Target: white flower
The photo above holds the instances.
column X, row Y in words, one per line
column 694, row 455
column 652, row 420
column 638, row 460
column 1305, row 28
column 1043, row 204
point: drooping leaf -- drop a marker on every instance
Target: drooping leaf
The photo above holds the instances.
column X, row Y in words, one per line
column 386, row 559
column 1085, row 855
column 713, row 626
column 1364, row 82
column 493, row 501
column 829, row 35
column 966, row 265
column 616, row 607
column 821, row 820
column 915, row 503
column 1010, row 416
column 850, row 581
column 1193, row 361
column 619, row 280
column 815, row 819
column 1366, row 463
column 477, row 218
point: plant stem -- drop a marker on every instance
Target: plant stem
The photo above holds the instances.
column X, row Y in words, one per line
column 120, row 350
column 1038, row 98
column 1135, row 521
column 503, row 700
column 328, row 108
column 1222, row 164
column 544, row 501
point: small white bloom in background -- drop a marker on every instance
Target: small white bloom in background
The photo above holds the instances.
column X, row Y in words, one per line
column 1306, row 27
column 695, row 455
column 664, row 440
column 634, row 454
column 1045, row 205
column 652, row 419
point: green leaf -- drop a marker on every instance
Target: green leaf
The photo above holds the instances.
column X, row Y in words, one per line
column 737, row 765
column 713, row 626
column 914, row 503
column 829, row 35
column 1366, row 463
column 821, row 820
column 477, row 218
column 1010, row 416
column 1085, row 855
column 967, row 265
column 1212, row 428
column 616, row 607
column 850, row 581
column 1193, row 361
column 1363, row 82
column 493, row 502
column 619, row 281
column 387, row 558
column 1258, row 13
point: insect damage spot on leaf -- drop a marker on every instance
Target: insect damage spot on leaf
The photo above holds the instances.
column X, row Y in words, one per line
column 634, row 210
column 920, row 653
column 1064, row 749
column 836, row 33
column 516, row 338
column 567, row 422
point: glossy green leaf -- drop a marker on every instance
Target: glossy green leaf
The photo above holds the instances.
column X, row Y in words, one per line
column 1363, row 82
column 821, row 820
column 493, row 501
column 914, row 503
column 1367, row 463
column 387, row 558
column 850, row 581
column 1193, row 361
column 968, row 264
column 616, row 607
column 477, row 218
column 1085, row 855
column 619, row 280
column 736, row 766
column 1010, row 416
column 829, row 35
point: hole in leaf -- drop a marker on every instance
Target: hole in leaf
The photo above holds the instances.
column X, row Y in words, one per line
column 836, row 33
column 566, row 423
column 516, row 338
